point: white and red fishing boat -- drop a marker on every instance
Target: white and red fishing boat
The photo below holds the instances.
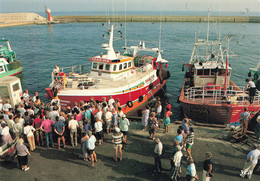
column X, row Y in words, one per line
column 132, row 78
column 208, row 93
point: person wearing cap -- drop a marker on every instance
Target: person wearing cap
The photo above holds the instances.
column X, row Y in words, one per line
column 251, row 161
column 124, row 125
column 117, row 140
column 176, row 163
column 91, row 148
column 157, row 155
column 207, row 167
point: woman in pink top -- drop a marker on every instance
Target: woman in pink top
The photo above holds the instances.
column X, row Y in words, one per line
column 37, row 125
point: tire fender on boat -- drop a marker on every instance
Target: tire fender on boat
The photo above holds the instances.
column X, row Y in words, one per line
column 141, row 98
column 130, row 104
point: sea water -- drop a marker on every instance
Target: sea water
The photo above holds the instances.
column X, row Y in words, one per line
column 40, row 47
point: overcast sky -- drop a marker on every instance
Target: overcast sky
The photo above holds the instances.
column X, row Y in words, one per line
column 132, row 5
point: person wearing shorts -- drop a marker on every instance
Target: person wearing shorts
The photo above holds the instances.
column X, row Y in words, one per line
column 123, row 125
column 59, row 129
column 91, row 148
column 166, row 119
column 117, row 140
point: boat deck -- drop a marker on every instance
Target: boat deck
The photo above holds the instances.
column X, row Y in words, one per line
column 233, row 95
column 90, row 83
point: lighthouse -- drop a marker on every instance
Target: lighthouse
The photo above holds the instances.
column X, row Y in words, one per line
column 48, row 11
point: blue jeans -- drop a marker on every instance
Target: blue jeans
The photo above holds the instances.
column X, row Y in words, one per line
column 47, row 135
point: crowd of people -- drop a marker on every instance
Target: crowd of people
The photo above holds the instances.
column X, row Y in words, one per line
column 89, row 121
column 50, row 123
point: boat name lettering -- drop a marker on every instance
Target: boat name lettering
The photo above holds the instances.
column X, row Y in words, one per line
column 104, row 60
column 198, row 110
column 150, row 79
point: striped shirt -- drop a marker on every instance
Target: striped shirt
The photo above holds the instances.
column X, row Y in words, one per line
column 117, row 138
column 190, row 139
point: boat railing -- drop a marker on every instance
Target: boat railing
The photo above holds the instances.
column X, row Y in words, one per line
column 77, row 69
column 215, row 95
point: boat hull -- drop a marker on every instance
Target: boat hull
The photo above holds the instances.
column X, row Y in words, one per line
column 137, row 97
column 215, row 113
column 13, row 69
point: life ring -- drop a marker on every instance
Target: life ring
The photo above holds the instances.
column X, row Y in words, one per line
column 150, row 85
column 130, row 104
column 256, row 76
column 141, row 98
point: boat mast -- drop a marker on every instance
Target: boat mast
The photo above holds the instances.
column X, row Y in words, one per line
column 110, row 49
column 207, row 43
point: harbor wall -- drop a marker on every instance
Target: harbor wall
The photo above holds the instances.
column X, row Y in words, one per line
column 17, row 19
column 138, row 18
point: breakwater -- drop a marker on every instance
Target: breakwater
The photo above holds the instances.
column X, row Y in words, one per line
column 150, row 18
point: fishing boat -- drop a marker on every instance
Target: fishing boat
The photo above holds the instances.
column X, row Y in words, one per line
column 208, row 94
column 8, row 63
column 254, row 74
column 130, row 77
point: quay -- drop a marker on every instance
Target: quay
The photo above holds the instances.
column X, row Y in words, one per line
column 18, row 19
column 138, row 161
column 151, row 18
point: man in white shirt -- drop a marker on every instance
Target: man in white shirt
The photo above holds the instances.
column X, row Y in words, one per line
column 252, row 159
column 26, row 95
column 111, row 101
column 7, row 105
column 252, row 90
column 157, row 154
column 73, row 125
column 123, row 125
column 54, row 113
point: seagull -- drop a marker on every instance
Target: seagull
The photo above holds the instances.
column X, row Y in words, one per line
column 243, row 37
column 247, row 10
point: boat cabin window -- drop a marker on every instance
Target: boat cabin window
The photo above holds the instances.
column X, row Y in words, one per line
column 221, row 72
column 16, row 87
column 94, row 65
column 206, row 72
column 120, row 66
column 129, row 64
column 125, row 65
column 213, row 72
column 101, row 66
column 107, row 67
column 200, row 72
column 2, row 68
column 114, row 68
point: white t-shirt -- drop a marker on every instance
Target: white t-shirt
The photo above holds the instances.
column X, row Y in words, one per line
column 99, row 115
column 91, row 142
column 53, row 115
column 251, row 84
column 5, row 131
column 124, row 123
column 28, row 131
column 6, row 106
column 159, row 109
column 108, row 116
column 73, row 124
column 98, row 126
column 254, row 154
column 110, row 102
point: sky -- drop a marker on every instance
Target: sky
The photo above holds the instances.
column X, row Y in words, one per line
column 7, row 6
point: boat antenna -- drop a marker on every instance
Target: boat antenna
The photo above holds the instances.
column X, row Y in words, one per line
column 125, row 30
column 208, row 28
column 160, row 35
column 219, row 25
